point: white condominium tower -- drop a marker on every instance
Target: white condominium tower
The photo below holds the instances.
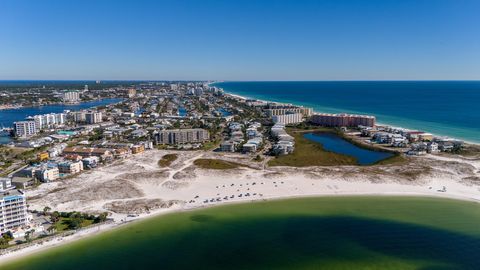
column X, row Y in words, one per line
column 71, row 97
column 49, row 120
column 25, row 128
column 13, row 210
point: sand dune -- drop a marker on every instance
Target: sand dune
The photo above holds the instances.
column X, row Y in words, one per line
column 138, row 186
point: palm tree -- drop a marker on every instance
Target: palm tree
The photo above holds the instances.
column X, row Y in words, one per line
column 28, row 235
column 55, row 217
column 51, row 229
column 46, row 209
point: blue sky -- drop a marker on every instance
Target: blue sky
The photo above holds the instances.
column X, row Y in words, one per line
column 240, row 40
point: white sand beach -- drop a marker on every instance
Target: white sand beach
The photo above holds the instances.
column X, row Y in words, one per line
column 136, row 188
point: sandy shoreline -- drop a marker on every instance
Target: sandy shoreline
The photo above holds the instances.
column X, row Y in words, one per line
column 382, row 124
column 102, row 228
column 129, row 186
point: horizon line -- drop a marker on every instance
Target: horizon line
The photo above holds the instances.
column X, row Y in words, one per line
column 207, row 80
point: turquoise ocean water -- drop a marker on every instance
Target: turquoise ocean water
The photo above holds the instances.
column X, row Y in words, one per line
column 449, row 108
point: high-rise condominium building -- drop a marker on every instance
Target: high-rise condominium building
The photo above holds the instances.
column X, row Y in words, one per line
column 179, row 136
column 93, row 117
column 25, row 128
column 288, row 118
column 343, row 120
column 48, row 120
column 13, row 210
column 71, row 97
column 272, row 110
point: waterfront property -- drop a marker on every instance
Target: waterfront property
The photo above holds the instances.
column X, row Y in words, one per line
column 71, row 97
column 444, row 108
column 10, row 116
column 47, row 173
column 13, row 210
column 50, row 120
column 70, row 167
column 285, row 143
column 342, row 120
column 321, row 148
column 309, row 153
column 288, row 118
column 25, row 129
column 273, row 109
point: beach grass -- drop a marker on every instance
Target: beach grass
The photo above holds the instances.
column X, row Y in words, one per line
column 396, row 159
column 308, row 153
column 211, row 145
column 216, row 164
column 167, row 160
column 470, row 151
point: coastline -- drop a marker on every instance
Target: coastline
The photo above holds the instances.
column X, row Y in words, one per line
column 245, row 97
column 92, row 232
column 272, row 184
column 11, row 139
column 299, row 183
column 56, row 103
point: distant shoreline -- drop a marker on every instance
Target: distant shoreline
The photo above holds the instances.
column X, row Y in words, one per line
column 296, row 104
column 52, row 104
column 11, row 139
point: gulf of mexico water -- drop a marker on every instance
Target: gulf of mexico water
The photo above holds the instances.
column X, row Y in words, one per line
column 449, row 108
column 359, row 232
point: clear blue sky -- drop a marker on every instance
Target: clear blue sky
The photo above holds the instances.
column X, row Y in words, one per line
column 240, row 40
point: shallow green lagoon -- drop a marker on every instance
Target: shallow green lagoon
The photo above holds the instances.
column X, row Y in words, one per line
column 311, row 233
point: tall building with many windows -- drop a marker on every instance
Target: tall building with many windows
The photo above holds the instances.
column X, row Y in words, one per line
column 93, row 117
column 343, row 120
column 13, row 210
column 5, row 184
column 273, row 109
column 50, row 120
column 25, row 128
column 180, row 136
column 71, row 97
column 78, row 117
column 288, row 118
column 131, row 92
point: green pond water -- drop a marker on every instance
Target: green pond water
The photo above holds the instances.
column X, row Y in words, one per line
column 311, row 233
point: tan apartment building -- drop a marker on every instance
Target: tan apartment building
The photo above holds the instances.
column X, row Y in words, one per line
column 343, row 120
column 181, row 136
column 70, row 167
